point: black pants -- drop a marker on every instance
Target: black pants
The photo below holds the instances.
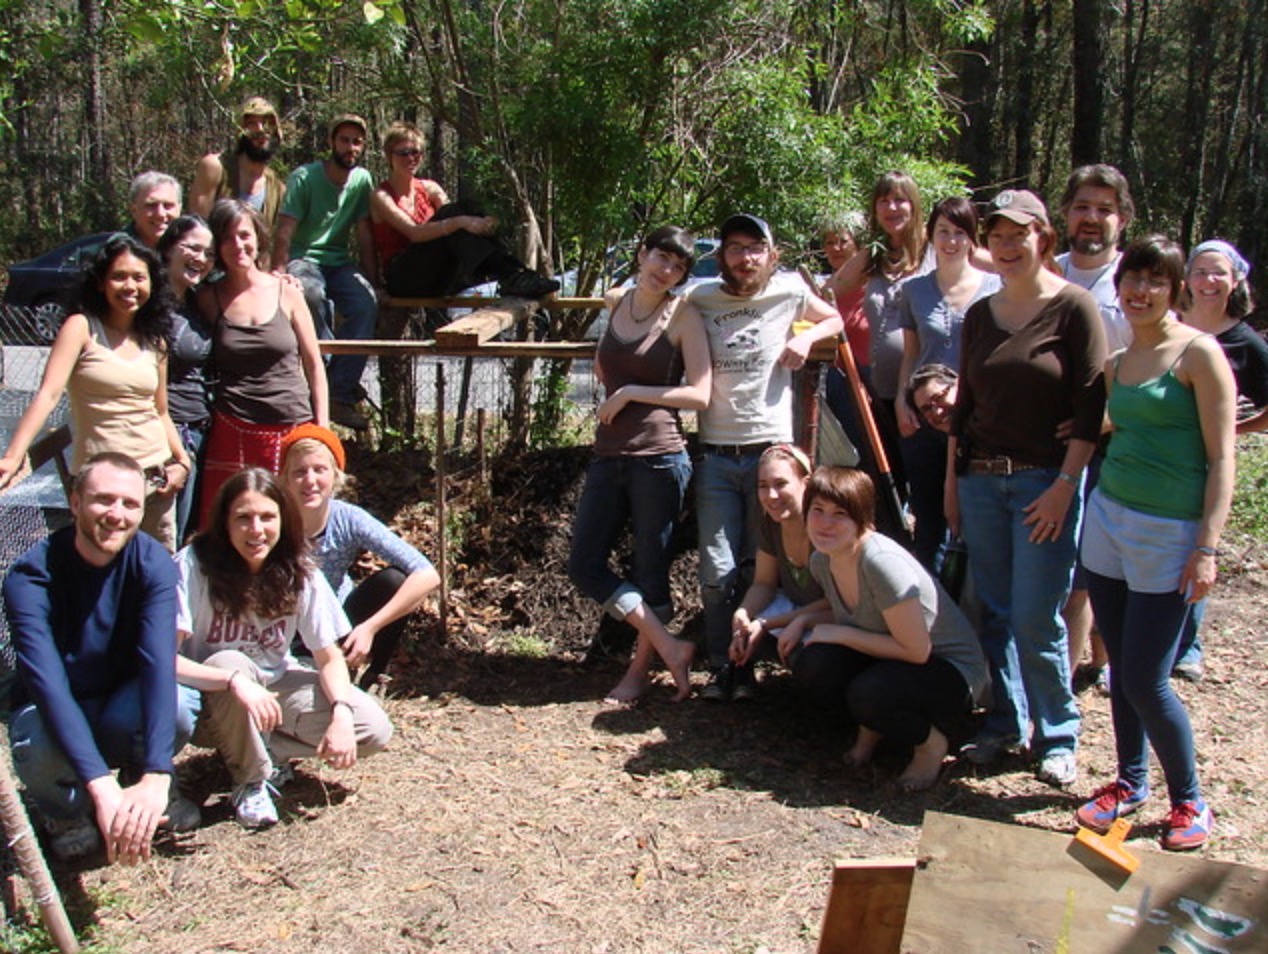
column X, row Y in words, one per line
column 447, row 265
column 902, row 700
column 370, row 595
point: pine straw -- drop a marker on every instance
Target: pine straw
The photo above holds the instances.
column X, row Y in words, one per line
column 514, row 813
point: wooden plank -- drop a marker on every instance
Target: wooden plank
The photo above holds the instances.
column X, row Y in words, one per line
column 490, row 349
column 480, row 301
column 867, row 906
column 988, row 887
column 483, row 325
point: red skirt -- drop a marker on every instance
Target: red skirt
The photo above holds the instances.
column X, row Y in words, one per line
column 232, row 445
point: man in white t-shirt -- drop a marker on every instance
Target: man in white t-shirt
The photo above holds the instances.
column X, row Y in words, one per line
column 1097, row 207
column 749, row 315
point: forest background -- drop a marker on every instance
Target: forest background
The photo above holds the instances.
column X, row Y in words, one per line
column 584, row 122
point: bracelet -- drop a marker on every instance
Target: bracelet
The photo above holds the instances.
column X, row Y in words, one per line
column 1207, row 551
column 178, row 462
column 342, row 702
column 232, row 676
column 1070, row 479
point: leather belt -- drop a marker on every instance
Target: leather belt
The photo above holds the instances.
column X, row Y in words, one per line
column 736, row 450
column 1001, row 465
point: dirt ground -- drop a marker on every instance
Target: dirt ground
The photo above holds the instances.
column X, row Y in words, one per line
column 514, row 812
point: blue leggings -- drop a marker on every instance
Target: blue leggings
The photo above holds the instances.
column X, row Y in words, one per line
column 1141, row 633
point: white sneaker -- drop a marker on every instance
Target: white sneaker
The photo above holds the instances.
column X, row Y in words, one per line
column 253, row 805
column 72, row 838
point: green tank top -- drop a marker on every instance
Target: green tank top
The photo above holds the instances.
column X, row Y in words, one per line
column 1156, row 462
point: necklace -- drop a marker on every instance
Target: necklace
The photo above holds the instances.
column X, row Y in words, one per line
column 647, row 317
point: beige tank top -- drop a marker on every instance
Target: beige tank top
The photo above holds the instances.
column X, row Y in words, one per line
column 112, row 403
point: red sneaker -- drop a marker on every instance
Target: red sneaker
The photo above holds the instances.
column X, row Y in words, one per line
column 1188, row 826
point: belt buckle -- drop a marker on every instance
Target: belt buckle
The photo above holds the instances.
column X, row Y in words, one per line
column 1002, row 466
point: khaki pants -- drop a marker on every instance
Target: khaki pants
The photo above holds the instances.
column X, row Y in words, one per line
column 225, row 725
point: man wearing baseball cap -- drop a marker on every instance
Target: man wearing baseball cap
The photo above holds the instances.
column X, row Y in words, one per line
column 244, row 171
column 749, row 315
column 325, row 202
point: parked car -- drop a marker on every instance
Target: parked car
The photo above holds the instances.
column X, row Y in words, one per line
column 40, row 288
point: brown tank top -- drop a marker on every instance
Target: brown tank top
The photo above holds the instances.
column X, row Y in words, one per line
column 261, row 377
column 640, row 430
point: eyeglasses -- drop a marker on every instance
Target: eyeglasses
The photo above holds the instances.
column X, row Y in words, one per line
column 194, row 251
column 407, row 153
column 1152, row 283
column 739, row 250
column 1206, row 273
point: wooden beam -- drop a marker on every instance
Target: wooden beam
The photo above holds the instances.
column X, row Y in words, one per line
column 490, row 349
column 867, row 906
column 480, row 301
column 483, row 325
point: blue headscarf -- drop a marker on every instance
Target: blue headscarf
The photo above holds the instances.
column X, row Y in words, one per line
column 1241, row 267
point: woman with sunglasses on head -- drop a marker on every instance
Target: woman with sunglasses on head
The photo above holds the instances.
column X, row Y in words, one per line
column 1153, row 529
column 653, row 361
column 782, row 585
column 185, row 248
column 1031, row 362
column 428, row 246
column 111, row 360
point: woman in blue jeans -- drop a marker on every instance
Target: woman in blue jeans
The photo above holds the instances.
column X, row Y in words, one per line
column 1030, row 361
column 652, row 360
column 1154, row 522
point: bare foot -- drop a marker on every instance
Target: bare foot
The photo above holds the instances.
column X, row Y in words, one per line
column 864, row 746
column 628, row 689
column 926, row 763
column 678, row 661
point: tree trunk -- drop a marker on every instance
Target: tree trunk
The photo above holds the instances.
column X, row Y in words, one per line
column 1088, row 56
column 101, row 202
column 1023, row 102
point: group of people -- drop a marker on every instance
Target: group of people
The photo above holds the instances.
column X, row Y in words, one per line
column 201, row 409
column 1007, row 381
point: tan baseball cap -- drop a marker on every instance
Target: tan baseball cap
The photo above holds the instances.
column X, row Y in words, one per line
column 259, row 106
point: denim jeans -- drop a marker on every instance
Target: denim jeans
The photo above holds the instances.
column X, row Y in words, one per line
column 342, row 288
column 193, row 439
column 1142, row 633
column 1022, row 587
column 118, row 728
column 727, row 515
column 645, row 494
column 925, row 463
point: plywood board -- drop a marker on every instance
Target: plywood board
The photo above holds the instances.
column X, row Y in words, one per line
column 985, row 887
column 866, row 906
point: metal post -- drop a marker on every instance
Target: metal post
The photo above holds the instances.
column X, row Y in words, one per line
column 442, row 551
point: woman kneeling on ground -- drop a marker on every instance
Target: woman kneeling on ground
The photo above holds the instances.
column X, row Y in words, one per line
column 782, row 585
column 246, row 589
column 927, row 670
column 313, row 463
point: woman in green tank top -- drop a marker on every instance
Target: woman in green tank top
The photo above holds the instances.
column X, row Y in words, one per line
column 1153, row 526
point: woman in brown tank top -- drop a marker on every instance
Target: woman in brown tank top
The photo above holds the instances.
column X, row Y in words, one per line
column 641, row 467
column 264, row 347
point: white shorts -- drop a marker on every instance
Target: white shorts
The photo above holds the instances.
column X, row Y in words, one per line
column 1149, row 552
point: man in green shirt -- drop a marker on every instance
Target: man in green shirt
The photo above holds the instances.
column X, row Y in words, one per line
column 325, row 202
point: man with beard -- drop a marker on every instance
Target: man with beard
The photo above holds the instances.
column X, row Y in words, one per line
column 1097, row 207
column 749, row 315
column 325, row 201
column 244, row 172
column 154, row 202
column 92, row 613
